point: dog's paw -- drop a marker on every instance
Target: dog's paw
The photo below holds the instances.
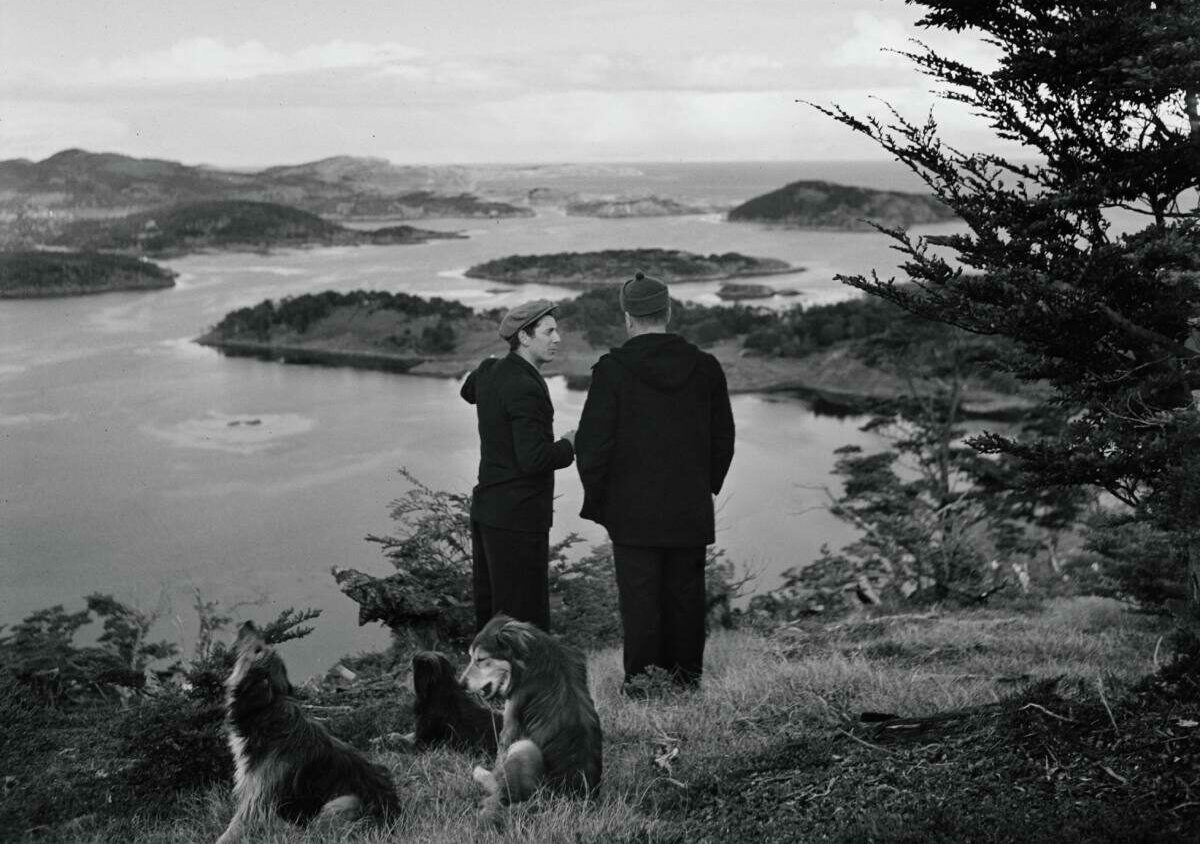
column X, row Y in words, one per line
column 490, row 816
column 400, row 742
column 485, row 778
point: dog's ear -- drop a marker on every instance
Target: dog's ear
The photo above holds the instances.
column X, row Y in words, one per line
column 246, row 632
column 514, row 639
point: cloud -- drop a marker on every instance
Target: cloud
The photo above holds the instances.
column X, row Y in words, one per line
column 356, row 72
column 875, row 40
column 872, row 43
column 249, row 102
column 208, row 59
column 705, row 71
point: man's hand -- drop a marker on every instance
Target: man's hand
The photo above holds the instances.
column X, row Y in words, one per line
column 569, row 436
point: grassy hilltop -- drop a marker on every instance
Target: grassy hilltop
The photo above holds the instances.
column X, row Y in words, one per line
column 1015, row 725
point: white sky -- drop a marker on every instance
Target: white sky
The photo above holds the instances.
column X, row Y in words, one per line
column 261, row 82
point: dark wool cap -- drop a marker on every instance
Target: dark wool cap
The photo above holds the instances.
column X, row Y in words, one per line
column 522, row 315
column 642, row 295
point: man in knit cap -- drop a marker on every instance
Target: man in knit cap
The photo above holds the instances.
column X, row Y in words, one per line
column 512, row 506
column 654, row 445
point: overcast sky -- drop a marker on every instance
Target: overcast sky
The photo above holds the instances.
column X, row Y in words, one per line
column 261, row 82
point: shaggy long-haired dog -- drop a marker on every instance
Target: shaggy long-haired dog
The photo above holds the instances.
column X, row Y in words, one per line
column 285, row 762
column 551, row 734
column 445, row 713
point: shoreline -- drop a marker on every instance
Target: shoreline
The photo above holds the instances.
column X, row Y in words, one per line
column 80, row 290
column 819, row 379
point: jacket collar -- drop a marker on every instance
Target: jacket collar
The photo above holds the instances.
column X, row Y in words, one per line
column 533, row 370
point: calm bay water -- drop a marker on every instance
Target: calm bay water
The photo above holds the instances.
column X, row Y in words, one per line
column 135, row 462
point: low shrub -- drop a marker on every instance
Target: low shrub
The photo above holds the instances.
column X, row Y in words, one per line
column 428, row 604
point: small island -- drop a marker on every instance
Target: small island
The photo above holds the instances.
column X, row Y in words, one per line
column 824, row 205
column 32, row 274
column 585, row 270
column 738, row 292
column 233, row 225
column 631, row 206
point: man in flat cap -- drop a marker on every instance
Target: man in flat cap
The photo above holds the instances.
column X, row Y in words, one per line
column 513, row 504
column 654, row 445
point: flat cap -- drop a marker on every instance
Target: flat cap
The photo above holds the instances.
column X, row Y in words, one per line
column 642, row 295
column 522, row 315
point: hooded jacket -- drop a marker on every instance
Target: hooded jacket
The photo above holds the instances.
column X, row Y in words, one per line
column 655, row 442
column 517, row 450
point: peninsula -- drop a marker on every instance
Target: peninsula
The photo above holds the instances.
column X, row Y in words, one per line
column 585, row 270
column 31, row 274
column 824, row 205
column 808, row 352
column 230, row 225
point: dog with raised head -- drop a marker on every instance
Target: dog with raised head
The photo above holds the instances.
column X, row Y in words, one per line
column 285, row 762
column 551, row 734
column 444, row 713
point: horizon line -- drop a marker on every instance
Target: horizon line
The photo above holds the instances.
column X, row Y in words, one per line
column 523, row 162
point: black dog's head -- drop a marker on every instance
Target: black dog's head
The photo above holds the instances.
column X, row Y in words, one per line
column 259, row 677
column 433, row 675
column 444, row 712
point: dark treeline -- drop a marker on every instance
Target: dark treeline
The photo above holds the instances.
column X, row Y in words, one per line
column 597, row 267
column 298, row 313
column 32, row 273
column 596, row 316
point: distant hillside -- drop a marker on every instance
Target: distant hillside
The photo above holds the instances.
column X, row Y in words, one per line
column 377, row 175
column 77, row 180
column 26, row 275
column 418, row 205
column 225, row 225
column 823, row 205
column 598, row 269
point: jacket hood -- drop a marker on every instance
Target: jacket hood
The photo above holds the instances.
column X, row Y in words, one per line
column 663, row 361
column 468, row 391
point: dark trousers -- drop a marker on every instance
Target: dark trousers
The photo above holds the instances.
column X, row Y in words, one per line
column 661, row 593
column 509, row 573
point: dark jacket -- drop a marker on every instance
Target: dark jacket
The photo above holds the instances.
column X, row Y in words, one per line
column 517, row 450
column 655, row 442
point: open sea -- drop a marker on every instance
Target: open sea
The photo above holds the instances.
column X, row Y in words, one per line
column 137, row 463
